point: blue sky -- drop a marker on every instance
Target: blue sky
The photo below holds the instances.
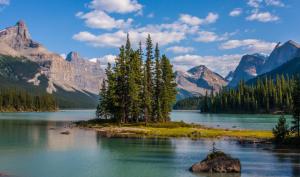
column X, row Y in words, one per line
column 215, row 33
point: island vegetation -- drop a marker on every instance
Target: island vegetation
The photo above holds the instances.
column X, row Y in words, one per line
column 138, row 91
column 15, row 100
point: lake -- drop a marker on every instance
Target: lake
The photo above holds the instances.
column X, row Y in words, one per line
column 233, row 121
column 31, row 146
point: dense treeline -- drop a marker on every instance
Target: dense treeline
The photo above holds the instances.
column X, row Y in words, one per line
column 282, row 133
column 136, row 90
column 191, row 103
column 266, row 96
column 14, row 100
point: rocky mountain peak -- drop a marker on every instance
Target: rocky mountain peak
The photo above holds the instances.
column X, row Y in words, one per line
column 198, row 70
column 73, row 56
column 22, row 30
column 282, row 54
column 292, row 43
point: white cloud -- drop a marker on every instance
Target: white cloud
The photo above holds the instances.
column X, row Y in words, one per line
column 180, row 49
column 117, row 6
column 219, row 64
column 4, row 2
column 209, row 36
column 262, row 17
column 104, row 60
column 100, row 20
column 277, row 3
column 236, row 12
column 211, row 18
column 254, row 3
column 164, row 34
column 259, row 3
column 253, row 45
column 195, row 21
column 190, row 20
column 118, row 38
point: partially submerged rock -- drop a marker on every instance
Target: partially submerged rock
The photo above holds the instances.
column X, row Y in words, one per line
column 67, row 132
column 217, row 162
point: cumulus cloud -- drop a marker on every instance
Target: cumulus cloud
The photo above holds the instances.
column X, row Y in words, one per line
column 209, row 36
column 116, row 6
column 259, row 3
column 254, row 3
column 180, row 49
column 164, row 34
column 219, row 64
column 100, row 20
column 190, row 20
column 262, row 17
column 253, row 45
column 4, row 2
column 236, row 12
column 104, row 60
column 195, row 21
column 115, row 39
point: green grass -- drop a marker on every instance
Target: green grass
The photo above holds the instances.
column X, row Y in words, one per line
column 171, row 129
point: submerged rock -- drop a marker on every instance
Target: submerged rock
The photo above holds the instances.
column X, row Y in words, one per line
column 217, row 162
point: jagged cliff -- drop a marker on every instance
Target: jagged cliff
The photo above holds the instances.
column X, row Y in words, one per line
column 71, row 74
column 197, row 81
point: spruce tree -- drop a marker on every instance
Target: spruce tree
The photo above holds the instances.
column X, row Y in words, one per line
column 148, row 74
column 157, row 87
column 281, row 131
column 102, row 111
column 168, row 93
column 296, row 106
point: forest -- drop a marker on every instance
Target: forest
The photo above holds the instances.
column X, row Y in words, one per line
column 138, row 89
column 265, row 96
column 15, row 100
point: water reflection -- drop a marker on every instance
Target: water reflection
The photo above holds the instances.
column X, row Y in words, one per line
column 36, row 148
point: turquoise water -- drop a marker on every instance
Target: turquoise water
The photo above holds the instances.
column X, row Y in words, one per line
column 232, row 121
column 31, row 146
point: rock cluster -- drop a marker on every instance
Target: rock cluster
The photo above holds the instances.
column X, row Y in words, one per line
column 217, row 162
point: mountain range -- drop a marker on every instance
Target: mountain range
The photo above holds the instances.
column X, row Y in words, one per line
column 75, row 82
column 68, row 78
column 254, row 65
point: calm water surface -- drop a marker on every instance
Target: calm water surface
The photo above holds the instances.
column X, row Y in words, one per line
column 31, row 146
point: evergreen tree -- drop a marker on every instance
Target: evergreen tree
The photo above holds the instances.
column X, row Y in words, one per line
column 148, row 74
column 168, row 94
column 281, row 131
column 157, row 87
column 296, row 107
column 131, row 86
column 102, row 111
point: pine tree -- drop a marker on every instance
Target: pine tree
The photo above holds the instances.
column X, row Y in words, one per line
column 102, row 111
column 168, row 96
column 281, row 131
column 296, row 106
column 135, row 86
column 148, row 74
column 157, row 87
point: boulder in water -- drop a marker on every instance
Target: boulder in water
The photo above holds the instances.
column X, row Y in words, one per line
column 217, row 162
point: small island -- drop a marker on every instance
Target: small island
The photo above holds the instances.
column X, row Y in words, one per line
column 137, row 97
